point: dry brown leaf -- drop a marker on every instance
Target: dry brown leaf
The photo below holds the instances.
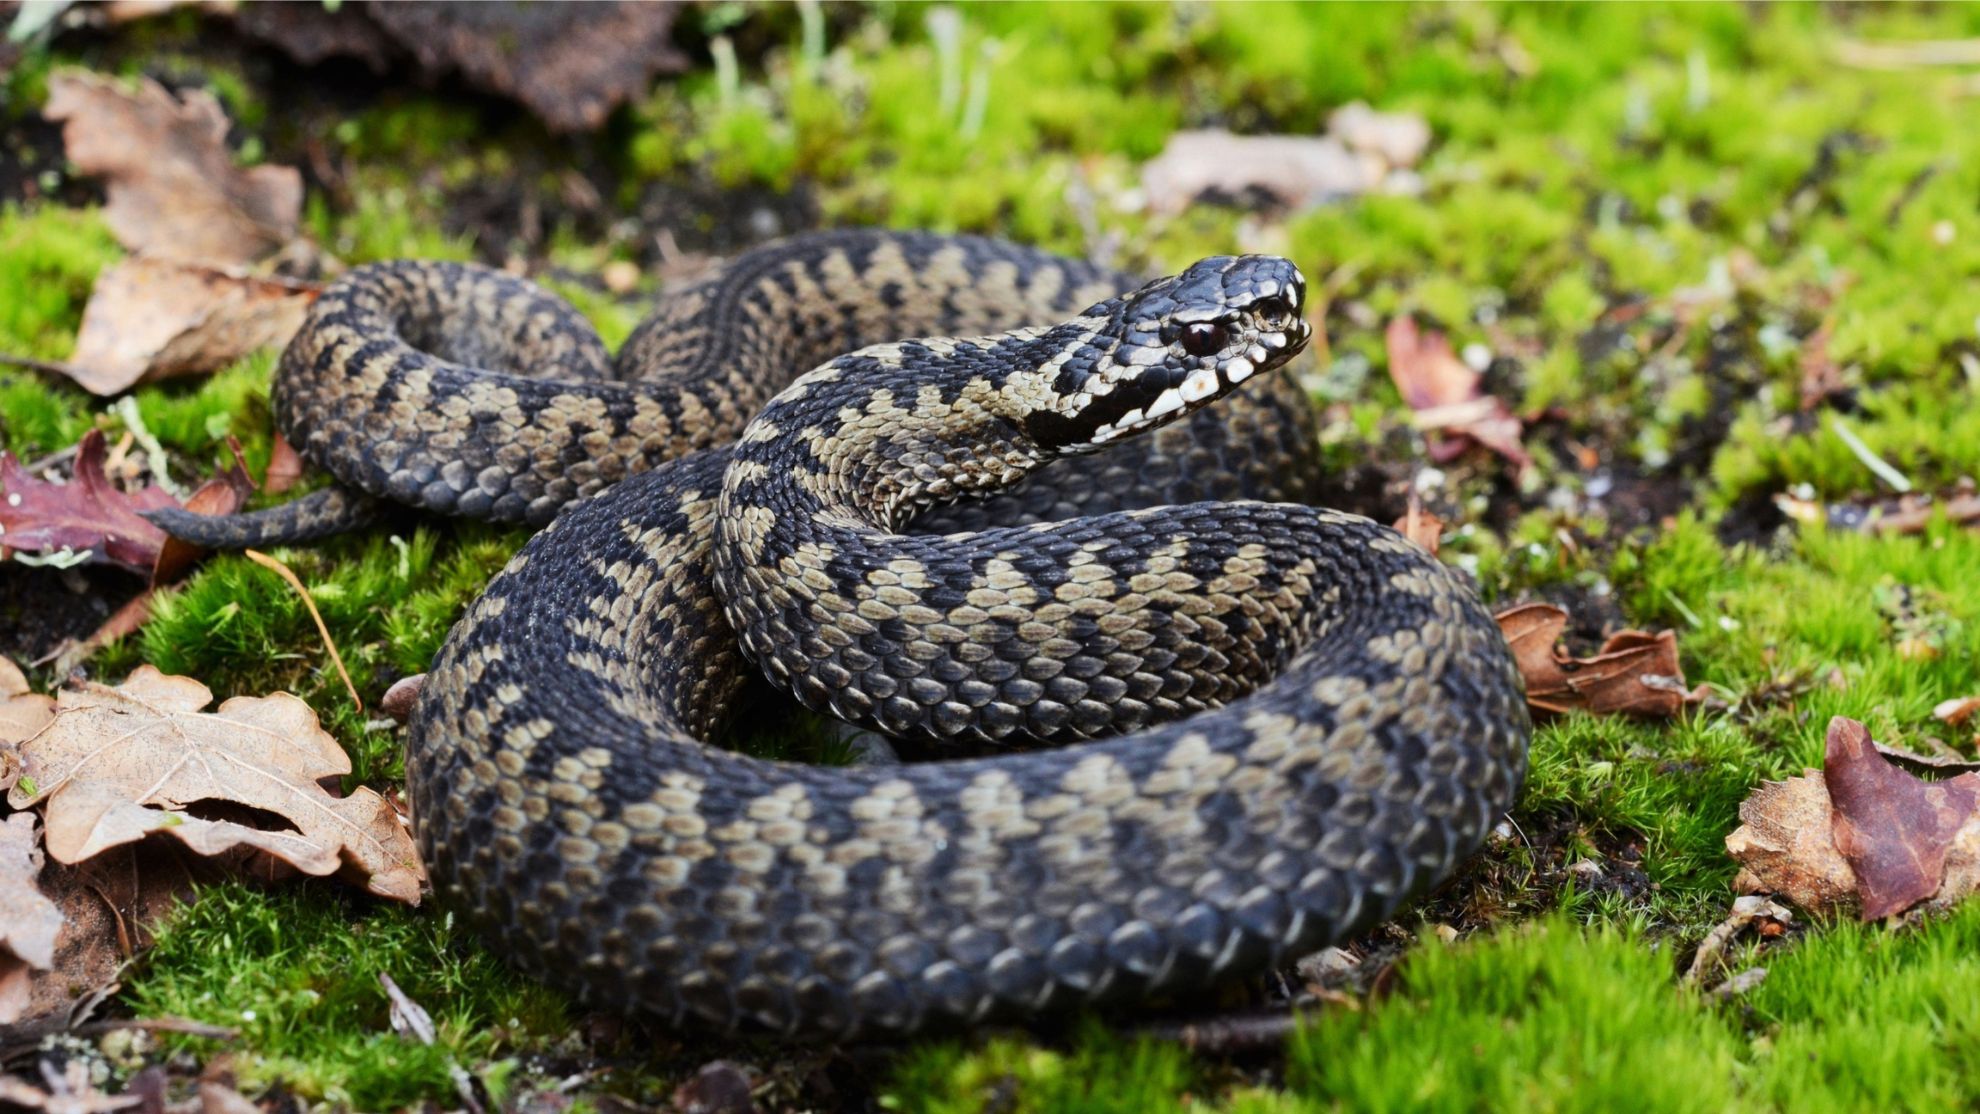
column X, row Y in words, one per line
column 285, row 467
column 1957, row 710
column 1445, row 395
column 112, row 752
column 1421, row 527
column 1783, row 845
column 1861, row 831
column 1636, row 673
column 29, row 922
column 152, row 318
column 109, row 907
column 23, row 712
column 173, row 189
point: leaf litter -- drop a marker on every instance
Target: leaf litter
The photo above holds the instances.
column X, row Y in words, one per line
column 1860, row 832
column 90, row 520
column 116, row 764
column 189, row 300
column 1634, row 673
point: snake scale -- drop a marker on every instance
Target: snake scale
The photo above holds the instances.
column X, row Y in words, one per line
column 1280, row 722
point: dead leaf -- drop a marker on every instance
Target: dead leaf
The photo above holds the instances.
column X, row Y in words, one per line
column 152, row 318
column 86, row 515
column 173, row 189
column 720, row 1087
column 1893, row 828
column 1861, row 830
column 399, row 700
column 1421, row 527
column 1954, row 712
column 29, row 922
column 285, row 467
column 1636, row 673
column 568, row 64
column 93, row 521
column 1783, row 845
column 1292, row 170
column 1398, row 138
column 23, row 712
column 1446, row 396
column 112, row 753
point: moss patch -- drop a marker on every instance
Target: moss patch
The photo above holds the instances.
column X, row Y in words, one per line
column 1651, row 220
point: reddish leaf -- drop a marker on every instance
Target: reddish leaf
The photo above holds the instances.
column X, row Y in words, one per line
column 90, row 515
column 1445, row 395
column 86, row 514
column 1893, row 828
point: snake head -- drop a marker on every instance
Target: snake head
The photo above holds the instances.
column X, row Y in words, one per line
column 1135, row 362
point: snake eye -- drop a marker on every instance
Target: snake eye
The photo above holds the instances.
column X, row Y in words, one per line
column 1201, row 338
column 1275, row 312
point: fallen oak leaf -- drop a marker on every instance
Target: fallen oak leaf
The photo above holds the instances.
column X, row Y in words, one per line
column 1635, row 673
column 23, row 713
column 172, row 187
column 111, row 753
column 1445, row 395
column 152, row 318
column 29, row 922
column 1860, row 830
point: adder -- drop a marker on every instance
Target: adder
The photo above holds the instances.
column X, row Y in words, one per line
column 1277, row 723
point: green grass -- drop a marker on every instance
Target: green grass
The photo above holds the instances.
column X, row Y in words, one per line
column 1645, row 212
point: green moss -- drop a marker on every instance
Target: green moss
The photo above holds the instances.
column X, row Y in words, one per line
column 1646, row 212
column 296, row 972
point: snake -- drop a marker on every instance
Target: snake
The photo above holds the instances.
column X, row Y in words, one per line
column 1044, row 519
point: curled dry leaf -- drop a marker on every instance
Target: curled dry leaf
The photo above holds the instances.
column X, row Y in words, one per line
column 1446, row 396
column 1636, row 673
column 91, row 518
column 1421, row 527
column 153, row 318
column 29, row 922
column 119, row 763
column 173, row 189
column 1860, row 830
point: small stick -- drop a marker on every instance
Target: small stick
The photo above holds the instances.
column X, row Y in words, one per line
column 282, row 570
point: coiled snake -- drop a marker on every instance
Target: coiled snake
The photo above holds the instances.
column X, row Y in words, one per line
column 1283, row 721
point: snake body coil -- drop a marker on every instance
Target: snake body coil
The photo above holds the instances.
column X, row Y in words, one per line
column 1283, row 721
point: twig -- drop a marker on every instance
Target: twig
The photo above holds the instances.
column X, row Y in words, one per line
column 282, row 570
